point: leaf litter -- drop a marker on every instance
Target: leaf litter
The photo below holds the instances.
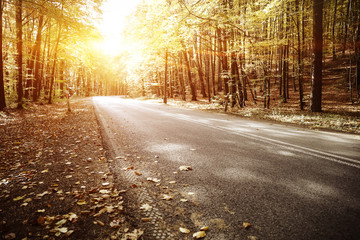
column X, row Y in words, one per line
column 47, row 176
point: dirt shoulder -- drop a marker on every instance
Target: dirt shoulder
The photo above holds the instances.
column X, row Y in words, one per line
column 55, row 181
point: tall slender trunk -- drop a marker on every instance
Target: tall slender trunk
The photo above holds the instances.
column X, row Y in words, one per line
column 37, row 78
column 333, row 31
column 181, row 78
column 19, row 57
column 299, row 56
column 316, row 78
column 191, row 82
column 2, row 87
column 54, row 65
column 166, row 76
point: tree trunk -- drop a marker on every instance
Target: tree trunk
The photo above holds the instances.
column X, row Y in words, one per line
column 191, row 82
column 346, row 26
column 316, row 78
column 19, row 57
column 166, row 76
column 37, row 78
column 181, row 78
column 333, row 32
column 54, row 65
column 2, row 87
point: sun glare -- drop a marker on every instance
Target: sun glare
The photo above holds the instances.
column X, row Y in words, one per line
column 113, row 24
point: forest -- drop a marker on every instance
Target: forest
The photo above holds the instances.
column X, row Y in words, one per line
column 263, row 52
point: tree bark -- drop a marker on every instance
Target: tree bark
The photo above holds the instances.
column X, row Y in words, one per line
column 19, row 57
column 37, row 78
column 2, row 87
column 54, row 65
column 316, row 78
column 191, row 82
column 166, row 77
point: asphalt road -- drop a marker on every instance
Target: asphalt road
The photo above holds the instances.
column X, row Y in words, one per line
column 287, row 182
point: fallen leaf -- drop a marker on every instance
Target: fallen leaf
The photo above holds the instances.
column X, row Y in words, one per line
column 167, row 197
column 155, row 180
column 185, row 168
column 69, row 233
column 106, row 184
column 183, row 200
column 145, row 219
column 184, row 230
column 62, row 230
column 252, row 238
column 200, row 234
column 115, row 223
column 27, row 200
column 104, row 191
column 205, row 228
column 10, row 236
column 81, row 202
column 146, row 207
column 172, row 182
column 41, row 210
column 137, row 173
column 61, row 222
column 19, row 198
column 40, row 220
column 45, row 171
column 68, row 176
column 100, row 223
column 246, row 225
column 42, row 194
column 136, row 234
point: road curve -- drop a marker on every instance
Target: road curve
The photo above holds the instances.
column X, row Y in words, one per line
column 287, row 182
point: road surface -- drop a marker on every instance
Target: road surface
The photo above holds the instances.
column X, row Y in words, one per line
column 287, row 182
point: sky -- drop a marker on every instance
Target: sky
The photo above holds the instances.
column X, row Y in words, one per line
column 113, row 23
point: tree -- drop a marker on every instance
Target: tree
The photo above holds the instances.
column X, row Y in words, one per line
column 19, row 53
column 2, row 89
column 316, row 77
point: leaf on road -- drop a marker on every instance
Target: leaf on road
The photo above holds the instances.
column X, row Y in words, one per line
column 184, row 230
column 10, row 236
column 61, row 222
column 81, row 202
column 115, row 223
column 104, row 191
column 98, row 222
column 205, row 228
column 246, row 225
column 137, row 173
column 185, row 168
column 200, row 234
column 146, row 207
column 19, row 198
column 42, row 194
column 155, row 180
column 167, row 197
column 135, row 235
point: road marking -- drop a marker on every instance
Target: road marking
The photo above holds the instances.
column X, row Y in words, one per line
column 312, row 152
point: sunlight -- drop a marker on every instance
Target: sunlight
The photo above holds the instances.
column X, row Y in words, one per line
column 113, row 24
